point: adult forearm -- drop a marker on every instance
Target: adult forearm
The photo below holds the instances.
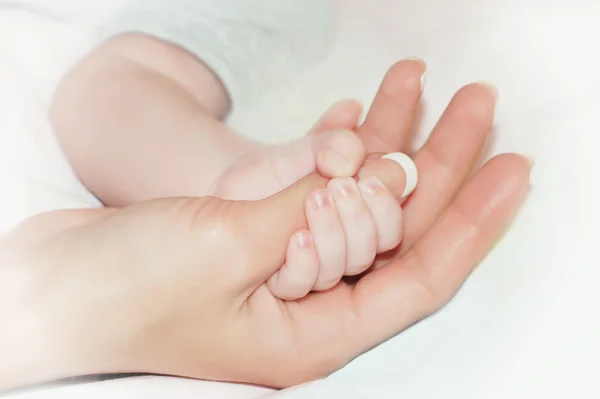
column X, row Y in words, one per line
column 33, row 345
column 43, row 336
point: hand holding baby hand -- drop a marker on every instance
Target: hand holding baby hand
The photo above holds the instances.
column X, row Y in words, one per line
column 179, row 286
column 349, row 223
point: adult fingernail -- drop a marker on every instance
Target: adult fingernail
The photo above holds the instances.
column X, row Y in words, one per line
column 424, row 75
column 490, row 86
column 529, row 160
column 410, row 170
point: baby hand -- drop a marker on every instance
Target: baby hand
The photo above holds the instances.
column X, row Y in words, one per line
column 349, row 223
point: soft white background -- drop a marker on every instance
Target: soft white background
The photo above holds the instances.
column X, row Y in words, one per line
column 527, row 322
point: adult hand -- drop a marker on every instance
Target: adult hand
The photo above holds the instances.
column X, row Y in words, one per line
column 444, row 163
column 177, row 286
column 331, row 146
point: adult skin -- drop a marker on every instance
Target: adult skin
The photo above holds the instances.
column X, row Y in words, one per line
column 177, row 286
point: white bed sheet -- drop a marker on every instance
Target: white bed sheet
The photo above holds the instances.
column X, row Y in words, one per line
column 525, row 324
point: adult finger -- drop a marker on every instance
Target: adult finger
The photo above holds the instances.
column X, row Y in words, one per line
column 388, row 300
column 446, row 160
column 266, row 226
column 427, row 276
column 394, row 110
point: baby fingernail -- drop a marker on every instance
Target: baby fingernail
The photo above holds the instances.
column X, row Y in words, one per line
column 321, row 199
column 343, row 187
column 410, row 170
column 304, row 239
column 371, row 185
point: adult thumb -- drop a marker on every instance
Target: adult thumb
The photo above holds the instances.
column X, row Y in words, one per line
column 268, row 224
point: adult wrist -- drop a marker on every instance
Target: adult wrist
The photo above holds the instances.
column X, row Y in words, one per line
column 37, row 342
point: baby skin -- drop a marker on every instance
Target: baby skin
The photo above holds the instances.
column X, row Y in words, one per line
column 140, row 119
column 349, row 223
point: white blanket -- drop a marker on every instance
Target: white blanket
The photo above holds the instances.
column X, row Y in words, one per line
column 525, row 324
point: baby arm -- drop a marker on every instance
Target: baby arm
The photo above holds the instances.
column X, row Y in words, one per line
column 141, row 116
